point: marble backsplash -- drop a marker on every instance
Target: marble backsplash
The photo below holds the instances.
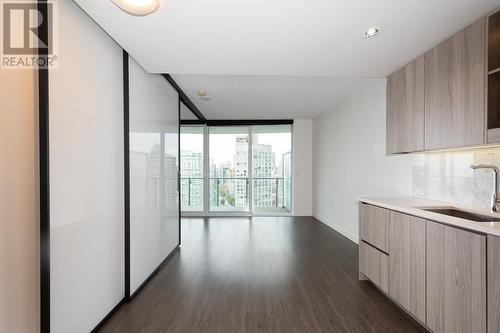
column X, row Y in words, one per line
column 447, row 176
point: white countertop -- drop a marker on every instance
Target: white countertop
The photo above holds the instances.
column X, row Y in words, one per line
column 412, row 206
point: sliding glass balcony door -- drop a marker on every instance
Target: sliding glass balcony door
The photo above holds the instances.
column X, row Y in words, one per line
column 237, row 169
column 271, row 169
column 228, row 169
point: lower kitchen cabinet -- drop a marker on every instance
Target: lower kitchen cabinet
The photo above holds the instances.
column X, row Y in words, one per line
column 446, row 277
column 373, row 264
column 456, row 280
column 374, row 225
column 407, row 263
column 493, row 284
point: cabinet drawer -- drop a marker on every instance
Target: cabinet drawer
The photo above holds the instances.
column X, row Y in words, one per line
column 374, row 226
column 374, row 264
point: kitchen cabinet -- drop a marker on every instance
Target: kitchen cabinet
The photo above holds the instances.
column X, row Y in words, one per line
column 493, row 118
column 447, row 98
column 455, row 73
column 493, row 272
column 456, row 279
column 446, row 277
column 405, row 109
column 373, row 264
column 374, row 226
column 407, row 263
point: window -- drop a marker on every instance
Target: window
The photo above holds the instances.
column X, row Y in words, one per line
column 192, row 169
column 248, row 169
column 271, row 148
column 228, row 152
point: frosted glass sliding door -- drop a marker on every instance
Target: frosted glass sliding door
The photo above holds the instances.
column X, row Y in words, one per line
column 154, row 165
column 86, row 175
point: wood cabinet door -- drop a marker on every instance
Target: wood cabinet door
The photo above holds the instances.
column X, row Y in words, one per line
column 407, row 263
column 493, row 284
column 455, row 74
column 374, row 226
column 456, row 280
column 373, row 263
column 405, row 109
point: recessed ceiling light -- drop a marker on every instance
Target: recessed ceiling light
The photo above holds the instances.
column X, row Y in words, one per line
column 371, row 32
column 138, row 7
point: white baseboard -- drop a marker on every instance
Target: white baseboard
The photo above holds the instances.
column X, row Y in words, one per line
column 353, row 237
column 302, row 213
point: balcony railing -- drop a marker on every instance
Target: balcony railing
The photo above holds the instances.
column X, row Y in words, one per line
column 232, row 193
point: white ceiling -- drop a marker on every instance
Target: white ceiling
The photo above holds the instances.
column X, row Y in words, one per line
column 289, row 38
column 267, row 97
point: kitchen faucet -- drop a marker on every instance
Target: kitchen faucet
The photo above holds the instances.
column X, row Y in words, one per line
column 494, row 197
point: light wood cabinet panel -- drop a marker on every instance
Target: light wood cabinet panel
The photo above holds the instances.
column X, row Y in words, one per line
column 456, row 280
column 407, row 263
column 374, row 226
column 455, row 74
column 405, row 109
column 493, row 284
column 374, row 265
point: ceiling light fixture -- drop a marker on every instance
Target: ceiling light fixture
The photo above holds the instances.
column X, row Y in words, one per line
column 202, row 93
column 371, row 32
column 138, row 7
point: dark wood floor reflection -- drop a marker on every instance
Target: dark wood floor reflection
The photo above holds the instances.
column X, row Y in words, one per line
column 260, row 275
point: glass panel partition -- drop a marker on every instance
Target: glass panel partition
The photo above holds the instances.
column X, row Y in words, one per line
column 153, row 150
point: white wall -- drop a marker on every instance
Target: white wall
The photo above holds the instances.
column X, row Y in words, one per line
column 154, row 208
column 18, row 203
column 302, row 155
column 350, row 162
column 86, row 174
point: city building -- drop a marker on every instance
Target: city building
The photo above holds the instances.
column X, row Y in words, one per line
column 266, row 180
column 241, row 171
column 191, row 180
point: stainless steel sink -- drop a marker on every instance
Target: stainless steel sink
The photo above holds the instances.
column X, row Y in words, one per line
column 463, row 214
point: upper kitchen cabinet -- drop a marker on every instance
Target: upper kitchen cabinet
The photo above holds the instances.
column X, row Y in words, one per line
column 405, row 109
column 455, row 74
column 494, row 78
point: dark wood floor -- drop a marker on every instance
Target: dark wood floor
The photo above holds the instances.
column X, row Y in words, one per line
column 260, row 275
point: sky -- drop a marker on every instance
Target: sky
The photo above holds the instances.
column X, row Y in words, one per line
column 223, row 145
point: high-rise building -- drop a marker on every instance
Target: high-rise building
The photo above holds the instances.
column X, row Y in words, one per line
column 171, row 169
column 265, row 186
column 192, row 180
column 241, row 170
